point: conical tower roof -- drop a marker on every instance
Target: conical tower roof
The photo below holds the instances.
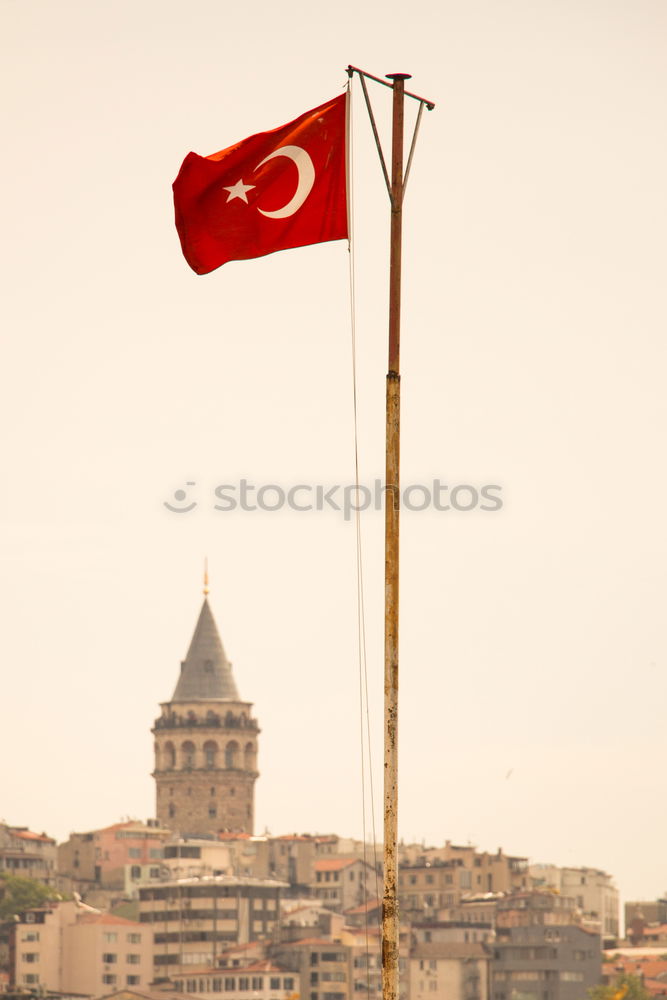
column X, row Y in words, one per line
column 206, row 673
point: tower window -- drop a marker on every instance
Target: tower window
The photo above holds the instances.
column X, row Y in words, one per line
column 172, row 810
column 188, row 754
column 212, row 812
column 232, row 754
column 213, row 791
column 211, row 753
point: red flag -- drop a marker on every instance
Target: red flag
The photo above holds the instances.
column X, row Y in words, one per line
column 272, row 191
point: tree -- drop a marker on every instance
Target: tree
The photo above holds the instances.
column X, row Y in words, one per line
column 624, row 987
column 18, row 894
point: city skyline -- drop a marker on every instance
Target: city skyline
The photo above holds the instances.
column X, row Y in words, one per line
column 532, row 649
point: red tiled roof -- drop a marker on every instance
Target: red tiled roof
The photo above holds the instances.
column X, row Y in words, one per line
column 367, row 907
column 333, row 864
column 264, row 965
column 233, row 836
column 649, row 966
column 28, row 835
column 241, row 947
column 656, row 987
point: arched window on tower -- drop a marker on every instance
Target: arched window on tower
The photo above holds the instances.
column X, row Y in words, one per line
column 249, row 757
column 188, row 754
column 169, row 756
column 232, row 754
column 210, row 753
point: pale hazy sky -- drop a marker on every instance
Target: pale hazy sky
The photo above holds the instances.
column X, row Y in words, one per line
column 533, row 646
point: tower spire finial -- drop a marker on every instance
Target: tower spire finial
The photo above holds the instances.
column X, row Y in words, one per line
column 206, row 576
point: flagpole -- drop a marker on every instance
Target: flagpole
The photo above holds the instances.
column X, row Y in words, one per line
column 390, row 917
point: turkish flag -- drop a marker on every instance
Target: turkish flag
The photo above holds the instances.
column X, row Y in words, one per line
column 274, row 190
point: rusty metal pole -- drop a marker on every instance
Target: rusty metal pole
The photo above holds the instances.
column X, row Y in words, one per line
column 390, row 922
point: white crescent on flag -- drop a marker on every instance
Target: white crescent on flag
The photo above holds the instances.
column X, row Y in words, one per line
column 306, row 171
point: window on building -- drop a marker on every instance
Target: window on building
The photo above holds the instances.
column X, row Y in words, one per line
column 243, row 983
column 109, row 957
column 134, row 852
column 258, row 982
column 212, row 812
column 288, row 983
column 30, row 956
column 274, row 983
column 217, row 984
column 30, row 978
column 109, row 979
column 110, row 937
column 232, row 754
column 135, row 871
column 132, row 980
column 230, row 984
column 133, row 959
column 155, row 852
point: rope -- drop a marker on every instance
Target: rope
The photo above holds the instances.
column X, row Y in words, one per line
column 364, row 713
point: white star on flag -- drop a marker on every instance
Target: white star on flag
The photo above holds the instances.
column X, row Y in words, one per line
column 238, row 190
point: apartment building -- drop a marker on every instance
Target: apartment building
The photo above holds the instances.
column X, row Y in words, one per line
column 193, row 920
column 116, row 857
column 342, row 883
column 449, row 970
column 67, row 948
column 261, row 980
column 27, row 854
column 545, row 962
column 440, row 878
column 593, row 891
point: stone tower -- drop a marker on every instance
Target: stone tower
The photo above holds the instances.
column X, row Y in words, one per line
column 205, row 743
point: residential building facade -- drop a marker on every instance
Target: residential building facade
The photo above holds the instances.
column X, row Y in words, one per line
column 545, row 962
column 27, row 854
column 193, row 920
column 67, row 948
